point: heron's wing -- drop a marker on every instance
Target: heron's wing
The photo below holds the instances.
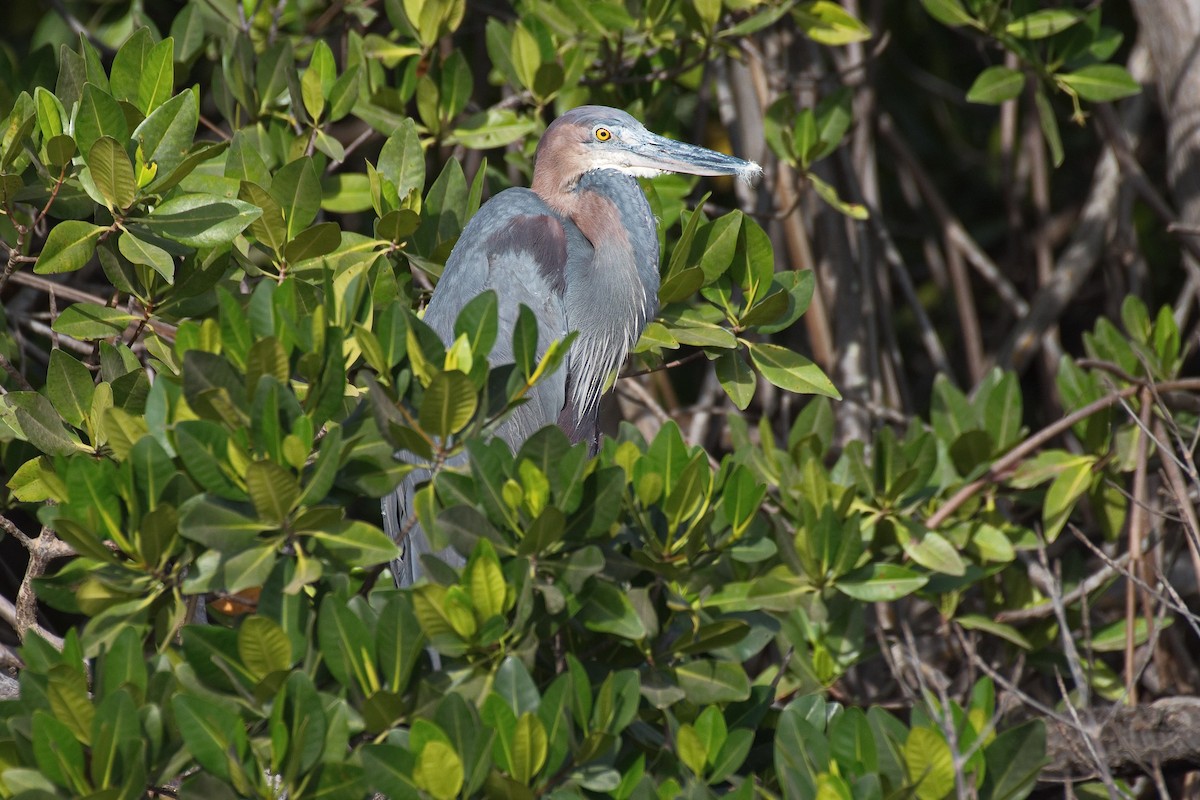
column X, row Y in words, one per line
column 518, row 247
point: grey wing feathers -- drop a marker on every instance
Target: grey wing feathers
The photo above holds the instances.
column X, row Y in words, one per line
column 518, row 247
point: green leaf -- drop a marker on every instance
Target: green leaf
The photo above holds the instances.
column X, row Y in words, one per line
column 691, row 749
column 706, row 682
column 710, row 727
column 346, row 645
column 69, row 247
column 439, row 770
column 606, row 609
column 995, row 85
column 529, row 747
column 681, row 285
column 1100, row 83
column 1112, row 637
column 753, row 264
column 736, row 378
column 345, row 93
column 485, row 582
column 269, row 229
column 166, row 138
column 1070, row 485
column 142, row 252
column 10, row 188
column 525, row 341
column 991, row 543
column 263, row 647
column 70, row 386
column 272, row 72
column 930, row 549
column 112, row 172
column 157, row 79
column 310, row 83
column 830, row 196
column 1014, row 759
column 402, row 161
column 826, row 22
column 244, row 162
column 767, row 310
column 396, row 226
column 479, row 322
column 876, row 583
column 732, row 754
column 699, row 333
column 115, row 725
column 449, row 403
column 399, row 641
column 297, row 189
column 443, row 212
column 492, row 128
column 60, row 150
column 690, row 493
column 948, row 12
column 57, row 753
column 929, row 763
column 319, row 240
column 1003, row 412
column 202, row 220
column 51, row 115
column 389, row 770
column 91, row 321
column 526, row 56
column 273, row 490
column 356, row 543
column 1043, row 23
column 1049, row 126
column 212, row 732
column 99, row 115
column 67, row 692
column 791, row 371
column 129, row 64
column 978, row 622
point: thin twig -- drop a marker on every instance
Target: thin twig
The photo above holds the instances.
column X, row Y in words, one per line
column 1092, row 583
column 14, row 373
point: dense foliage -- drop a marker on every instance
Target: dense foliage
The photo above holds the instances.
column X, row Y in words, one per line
column 220, row 226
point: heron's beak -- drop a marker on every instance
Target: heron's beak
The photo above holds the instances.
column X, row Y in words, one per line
column 653, row 153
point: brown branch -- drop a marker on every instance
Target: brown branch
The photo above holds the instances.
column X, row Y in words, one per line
column 61, row 289
column 1134, row 739
column 42, row 550
column 1012, row 458
column 690, row 357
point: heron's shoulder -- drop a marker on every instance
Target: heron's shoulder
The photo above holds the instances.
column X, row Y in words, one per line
column 511, row 203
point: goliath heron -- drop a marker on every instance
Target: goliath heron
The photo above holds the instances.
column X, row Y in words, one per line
column 580, row 249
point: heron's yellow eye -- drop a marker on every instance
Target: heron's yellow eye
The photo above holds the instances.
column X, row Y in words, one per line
column 603, row 134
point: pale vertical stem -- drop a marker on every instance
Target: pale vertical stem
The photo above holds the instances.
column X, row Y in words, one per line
column 968, row 318
column 1039, row 192
column 1187, row 509
column 1137, row 529
column 1008, row 167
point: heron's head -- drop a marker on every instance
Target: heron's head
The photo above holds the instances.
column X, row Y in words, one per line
column 597, row 137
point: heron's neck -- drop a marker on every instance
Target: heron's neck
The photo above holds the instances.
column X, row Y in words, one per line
column 611, row 300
